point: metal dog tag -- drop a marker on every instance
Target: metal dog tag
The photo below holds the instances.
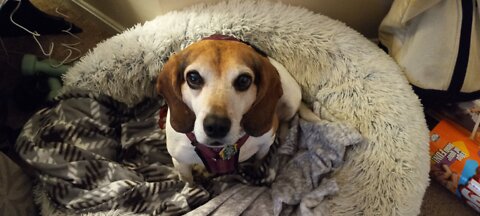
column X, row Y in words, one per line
column 228, row 152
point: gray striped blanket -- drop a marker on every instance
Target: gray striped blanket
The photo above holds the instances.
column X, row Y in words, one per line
column 93, row 153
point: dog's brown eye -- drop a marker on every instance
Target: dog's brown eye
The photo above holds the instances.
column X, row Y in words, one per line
column 194, row 80
column 242, row 82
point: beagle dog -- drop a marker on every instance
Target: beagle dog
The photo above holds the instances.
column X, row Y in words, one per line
column 225, row 101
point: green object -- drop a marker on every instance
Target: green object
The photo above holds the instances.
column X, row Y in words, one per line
column 55, row 86
column 31, row 66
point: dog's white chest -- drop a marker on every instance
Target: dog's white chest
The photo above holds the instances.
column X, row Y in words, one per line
column 179, row 146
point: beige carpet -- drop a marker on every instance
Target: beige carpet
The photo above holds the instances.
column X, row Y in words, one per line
column 437, row 201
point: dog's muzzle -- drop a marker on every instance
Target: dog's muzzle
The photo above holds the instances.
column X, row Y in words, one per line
column 216, row 126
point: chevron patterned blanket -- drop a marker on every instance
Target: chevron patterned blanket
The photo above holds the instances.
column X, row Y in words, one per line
column 94, row 154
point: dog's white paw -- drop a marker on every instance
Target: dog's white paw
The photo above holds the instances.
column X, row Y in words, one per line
column 184, row 171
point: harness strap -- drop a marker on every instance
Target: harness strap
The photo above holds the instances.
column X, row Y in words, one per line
column 218, row 160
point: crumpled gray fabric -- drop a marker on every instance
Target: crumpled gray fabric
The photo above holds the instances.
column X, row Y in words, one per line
column 311, row 151
column 93, row 153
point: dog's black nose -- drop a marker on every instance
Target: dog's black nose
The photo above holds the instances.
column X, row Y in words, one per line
column 216, row 126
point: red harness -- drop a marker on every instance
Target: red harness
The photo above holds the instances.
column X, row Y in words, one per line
column 217, row 160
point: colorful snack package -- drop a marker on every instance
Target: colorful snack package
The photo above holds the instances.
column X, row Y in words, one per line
column 455, row 160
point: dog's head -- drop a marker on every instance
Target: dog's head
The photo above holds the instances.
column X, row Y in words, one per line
column 220, row 89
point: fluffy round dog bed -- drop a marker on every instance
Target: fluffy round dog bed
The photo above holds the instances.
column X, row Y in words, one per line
column 344, row 77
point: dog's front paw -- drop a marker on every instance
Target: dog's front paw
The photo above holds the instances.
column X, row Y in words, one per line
column 187, row 179
column 184, row 171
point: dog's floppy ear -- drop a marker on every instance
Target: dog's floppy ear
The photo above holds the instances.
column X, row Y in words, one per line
column 169, row 83
column 259, row 118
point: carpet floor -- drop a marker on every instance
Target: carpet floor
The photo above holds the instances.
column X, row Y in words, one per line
column 20, row 98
